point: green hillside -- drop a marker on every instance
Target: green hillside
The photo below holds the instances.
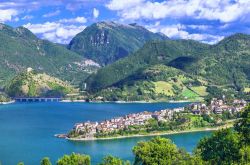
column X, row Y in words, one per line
column 106, row 42
column 156, row 83
column 224, row 66
column 20, row 49
column 32, row 84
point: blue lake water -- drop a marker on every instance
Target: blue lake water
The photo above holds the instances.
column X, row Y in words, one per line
column 27, row 131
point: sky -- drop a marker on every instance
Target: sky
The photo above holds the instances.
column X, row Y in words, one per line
column 208, row 21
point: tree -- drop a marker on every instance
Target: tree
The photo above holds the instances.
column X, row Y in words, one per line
column 158, row 151
column 221, row 148
column 245, row 154
column 74, row 159
column 20, row 163
column 243, row 126
column 111, row 160
column 45, row 161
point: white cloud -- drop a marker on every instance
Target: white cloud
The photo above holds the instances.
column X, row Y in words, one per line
column 63, row 34
column 16, row 19
column 61, row 31
column 55, row 31
column 178, row 31
column 96, row 13
column 200, row 27
column 27, row 17
column 123, row 4
column 42, row 28
column 74, row 20
column 222, row 10
column 7, row 14
column 52, row 14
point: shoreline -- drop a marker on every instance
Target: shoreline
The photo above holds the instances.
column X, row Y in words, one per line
column 6, row 103
column 72, row 101
column 116, row 102
column 131, row 102
column 153, row 134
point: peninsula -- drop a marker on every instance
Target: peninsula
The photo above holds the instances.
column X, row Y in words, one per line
column 194, row 117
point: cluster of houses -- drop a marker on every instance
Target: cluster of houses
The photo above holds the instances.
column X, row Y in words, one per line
column 89, row 129
column 218, row 106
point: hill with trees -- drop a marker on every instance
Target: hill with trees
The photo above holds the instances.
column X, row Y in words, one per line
column 20, row 49
column 32, row 84
column 158, row 82
column 106, row 42
column 221, row 67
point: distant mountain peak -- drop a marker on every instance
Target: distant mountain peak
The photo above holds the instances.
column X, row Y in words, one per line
column 25, row 32
column 107, row 41
column 105, row 24
column 238, row 36
column 233, row 39
column 2, row 26
column 162, row 34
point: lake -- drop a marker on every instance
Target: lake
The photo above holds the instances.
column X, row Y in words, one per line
column 27, row 131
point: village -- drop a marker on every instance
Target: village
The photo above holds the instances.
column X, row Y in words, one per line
column 217, row 106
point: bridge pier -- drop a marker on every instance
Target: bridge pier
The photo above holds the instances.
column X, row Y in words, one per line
column 30, row 99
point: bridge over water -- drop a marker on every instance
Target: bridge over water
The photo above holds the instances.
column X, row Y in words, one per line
column 37, row 99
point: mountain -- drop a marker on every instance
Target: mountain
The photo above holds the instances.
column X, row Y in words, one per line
column 106, row 42
column 20, row 49
column 225, row 65
column 33, row 84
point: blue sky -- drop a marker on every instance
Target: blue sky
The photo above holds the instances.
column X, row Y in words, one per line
column 59, row 20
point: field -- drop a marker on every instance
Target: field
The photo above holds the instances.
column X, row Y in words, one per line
column 190, row 95
column 247, row 90
column 200, row 90
column 162, row 87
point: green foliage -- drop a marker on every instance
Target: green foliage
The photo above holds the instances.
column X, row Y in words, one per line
column 111, row 160
column 45, row 161
column 20, row 163
column 228, row 146
column 243, row 126
column 106, row 42
column 221, row 148
column 74, row 159
column 4, row 98
column 158, row 151
column 245, row 154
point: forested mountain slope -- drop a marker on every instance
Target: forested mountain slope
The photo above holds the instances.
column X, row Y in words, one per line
column 224, row 65
column 20, row 49
column 106, row 42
